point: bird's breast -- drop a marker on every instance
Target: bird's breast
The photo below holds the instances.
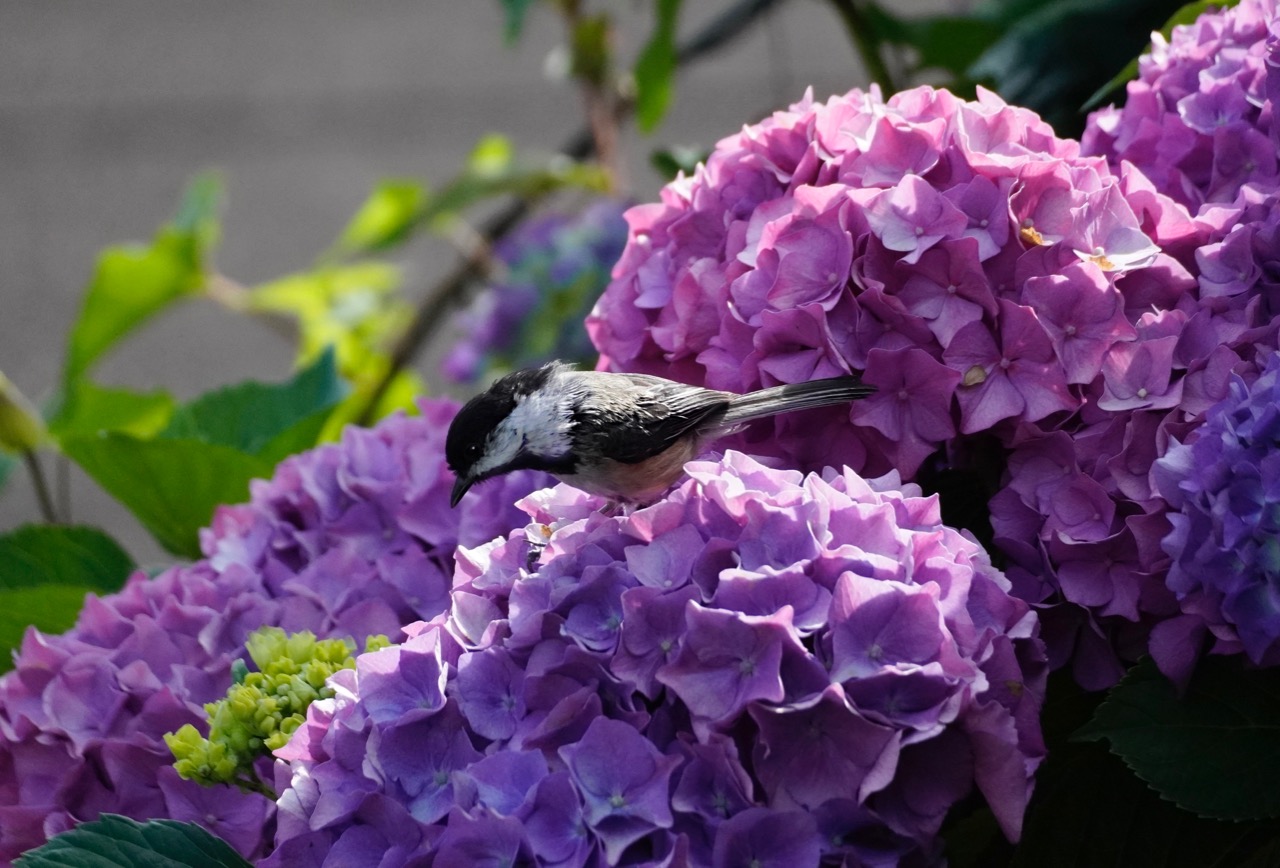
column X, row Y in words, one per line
column 641, row 482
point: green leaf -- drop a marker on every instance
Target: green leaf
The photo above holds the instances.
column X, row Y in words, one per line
column 385, row 219
column 7, row 464
column 1186, row 15
column 1214, row 751
column 948, row 42
column 113, row 841
column 589, row 49
column 45, row 571
column 87, row 408
column 262, row 419
column 1089, row 810
column 1055, row 53
column 51, row 608
column 655, row 68
column 131, row 283
column 514, row 25
column 42, row 554
column 669, row 162
column 171, row 486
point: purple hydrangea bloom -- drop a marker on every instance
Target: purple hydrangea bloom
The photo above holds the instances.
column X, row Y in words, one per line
column 1224, row 484
column 761, row 666
column 1197, row 119
column 548, row 272
column 349, row 539
column 901, row 237
column 1042, row 317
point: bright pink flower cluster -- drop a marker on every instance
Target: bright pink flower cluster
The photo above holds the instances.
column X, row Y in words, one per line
column 761, row 666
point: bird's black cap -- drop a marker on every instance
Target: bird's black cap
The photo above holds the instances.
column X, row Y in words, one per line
column 470, row 429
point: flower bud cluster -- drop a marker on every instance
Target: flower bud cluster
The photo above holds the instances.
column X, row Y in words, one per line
column 262, row 709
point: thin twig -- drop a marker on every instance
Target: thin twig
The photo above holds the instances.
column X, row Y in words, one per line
column 41, row 486
column 62, row 481
column 453, row 286
column 235, row 296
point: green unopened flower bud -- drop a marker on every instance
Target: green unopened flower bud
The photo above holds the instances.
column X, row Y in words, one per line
column 262, row 709
column 264, row 645
column 21, row 428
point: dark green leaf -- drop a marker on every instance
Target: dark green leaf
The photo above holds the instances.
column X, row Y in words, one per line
column 1054, row 54
column 113, row 841
column 171, row 486
column 131, row 283
column 1089, row 810
column 251, row 417
column 45, row 571
column 1214, row 751
column 35, row 555
column 948, row 42
column 589, row 49
column 655, row 68
column 51, row 608
column 6, row 468
column 1186, row 15
column 87, row 408
column 670, row 162
column 514, row 25
column 385, row 219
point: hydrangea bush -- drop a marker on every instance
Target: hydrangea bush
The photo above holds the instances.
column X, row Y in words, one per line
column 969, row 261
column 762, row 665
column 549, row 271
column 347, row 540
column 1040, row 317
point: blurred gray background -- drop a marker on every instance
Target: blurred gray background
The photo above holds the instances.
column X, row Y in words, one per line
column 107, row 109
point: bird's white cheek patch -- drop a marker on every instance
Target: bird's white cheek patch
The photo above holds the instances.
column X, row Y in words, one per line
column 539, row 425
column 501, row 448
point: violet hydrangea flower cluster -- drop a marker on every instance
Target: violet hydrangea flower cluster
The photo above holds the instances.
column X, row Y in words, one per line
column 761, row 666
column 550, row 270
column 972, row 264
column 1225, row 487
column 1000, row 289
column 347, row 540
column 1198, row 121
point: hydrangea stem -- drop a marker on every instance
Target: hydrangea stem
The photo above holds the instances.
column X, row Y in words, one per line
column 41, row 487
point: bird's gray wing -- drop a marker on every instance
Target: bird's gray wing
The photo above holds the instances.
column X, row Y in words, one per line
column 632, row 417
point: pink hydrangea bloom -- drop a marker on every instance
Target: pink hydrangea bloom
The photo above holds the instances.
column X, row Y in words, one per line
column 838, row 236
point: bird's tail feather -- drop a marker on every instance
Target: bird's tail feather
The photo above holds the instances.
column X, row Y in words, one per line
column 793, row 396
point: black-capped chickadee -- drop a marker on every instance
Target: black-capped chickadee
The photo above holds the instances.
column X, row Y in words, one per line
column 623, row 436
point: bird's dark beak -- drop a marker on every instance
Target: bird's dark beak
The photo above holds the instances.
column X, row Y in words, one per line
column 460, row 486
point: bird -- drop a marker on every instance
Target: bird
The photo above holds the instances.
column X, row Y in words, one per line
column 625, row 437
